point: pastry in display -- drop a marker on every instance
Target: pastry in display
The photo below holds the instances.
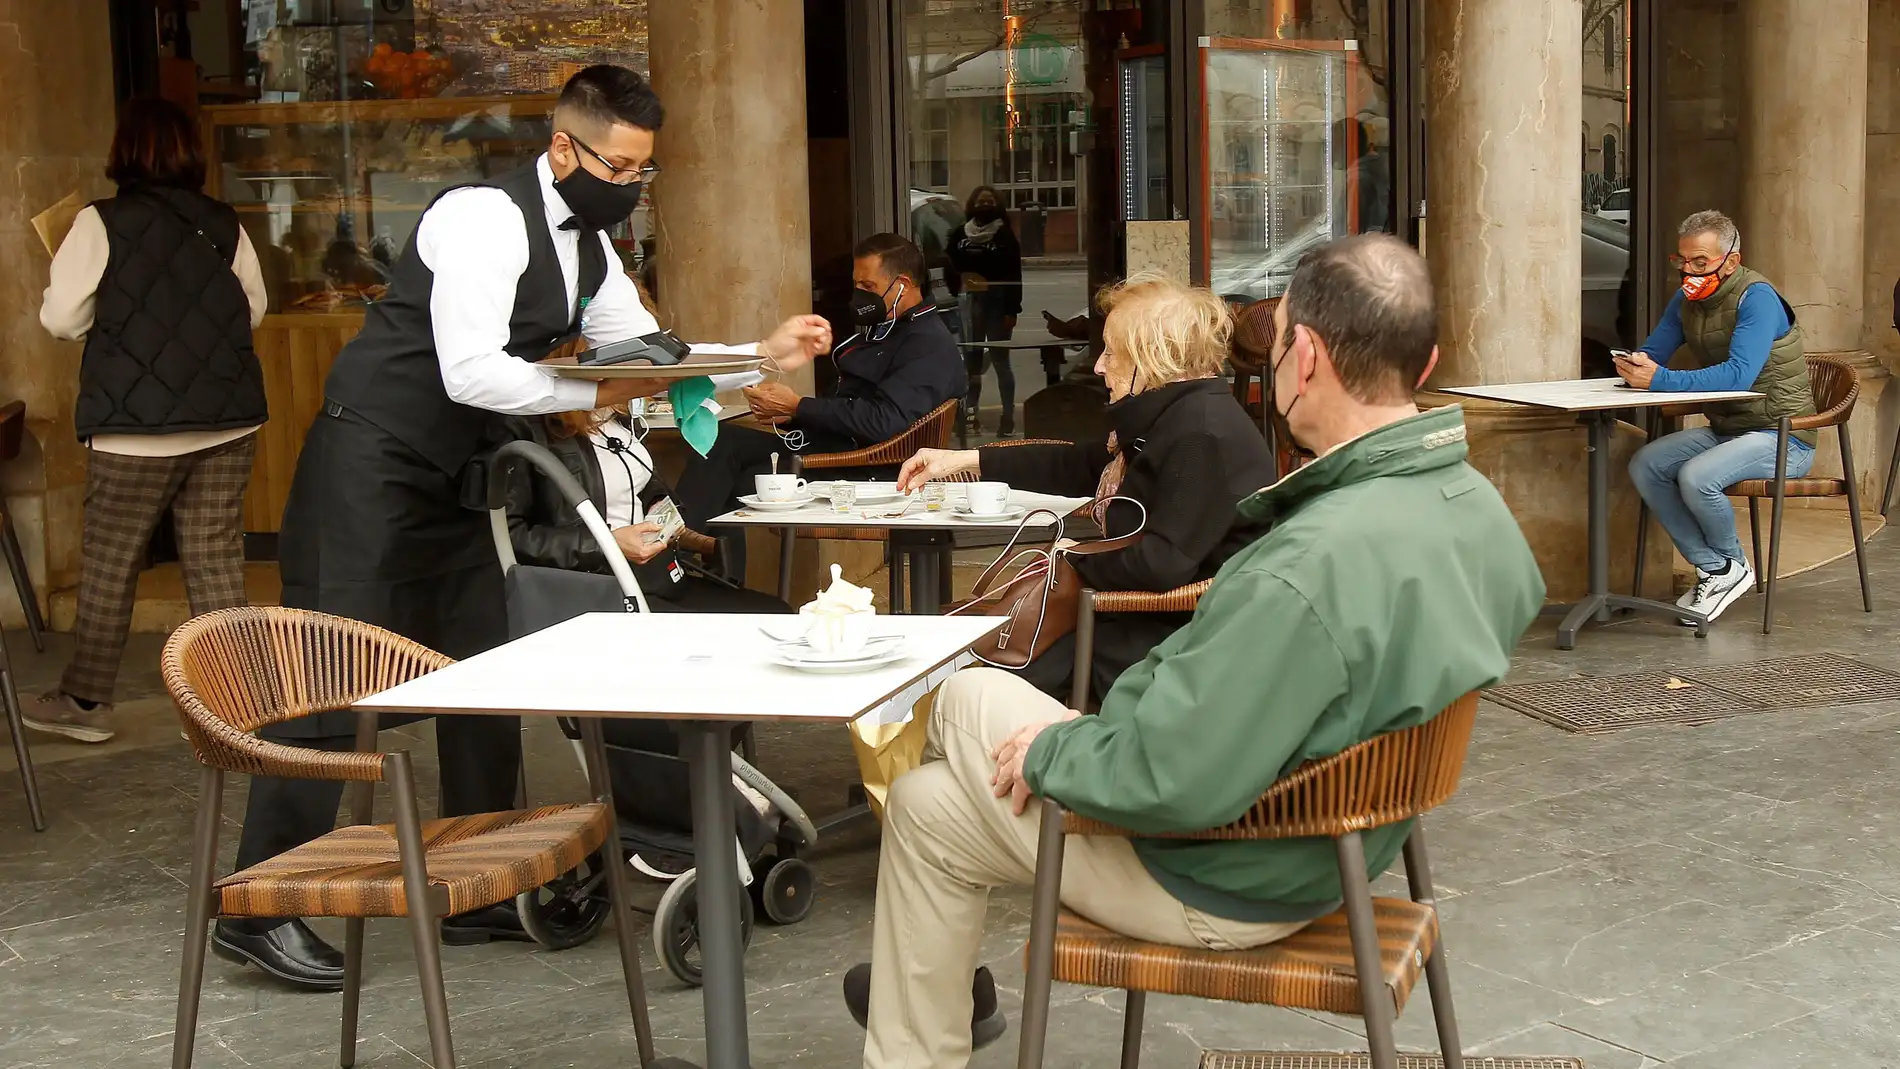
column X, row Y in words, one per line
column 409, row 75
column 336, row 298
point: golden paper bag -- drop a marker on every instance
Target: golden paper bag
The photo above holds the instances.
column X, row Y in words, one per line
column 887, row 751
column 53, row 224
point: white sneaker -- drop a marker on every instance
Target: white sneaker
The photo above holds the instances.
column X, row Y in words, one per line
column 1713, row 594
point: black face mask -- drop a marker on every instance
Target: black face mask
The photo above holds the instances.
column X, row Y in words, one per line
column 1284, row 428
column 598, row 203
column 986, row 213
column 868, row 309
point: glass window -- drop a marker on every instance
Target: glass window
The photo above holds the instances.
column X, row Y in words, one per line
column 1298, row 135
column 365, row 114
column 996, row 95
column 1608, row 291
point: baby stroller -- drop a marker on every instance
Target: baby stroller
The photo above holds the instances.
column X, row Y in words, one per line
column 650, row 785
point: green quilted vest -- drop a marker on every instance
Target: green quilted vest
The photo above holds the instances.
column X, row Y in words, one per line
column 1707, row 326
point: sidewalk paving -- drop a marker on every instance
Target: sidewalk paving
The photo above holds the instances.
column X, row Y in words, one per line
column 1697, row 897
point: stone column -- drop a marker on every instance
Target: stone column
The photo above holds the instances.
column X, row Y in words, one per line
column 1804, row 190
column 56, row 118
column 1504, row 198
column 1503, row 102
column 734, row 203
column 1804, row 160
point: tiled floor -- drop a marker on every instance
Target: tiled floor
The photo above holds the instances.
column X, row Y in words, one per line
column 1716, row 897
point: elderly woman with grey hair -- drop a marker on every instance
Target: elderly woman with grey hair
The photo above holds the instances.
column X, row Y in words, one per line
column 1727, row 328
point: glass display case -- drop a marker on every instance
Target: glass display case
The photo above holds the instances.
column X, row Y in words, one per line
column 1284, row 147
column 330, row 192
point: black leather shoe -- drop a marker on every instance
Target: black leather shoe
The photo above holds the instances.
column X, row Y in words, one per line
column 290, row 952
column 987, row 1023
column 477, row 926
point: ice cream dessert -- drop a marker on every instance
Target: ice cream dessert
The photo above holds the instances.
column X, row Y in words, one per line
column 838, row 620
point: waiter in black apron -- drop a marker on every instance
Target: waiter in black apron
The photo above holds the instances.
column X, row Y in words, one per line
column 384, row 524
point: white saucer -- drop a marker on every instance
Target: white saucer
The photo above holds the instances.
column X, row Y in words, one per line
column 991, row 517
column 874, row 648
column 864, row 663
column 753, row 501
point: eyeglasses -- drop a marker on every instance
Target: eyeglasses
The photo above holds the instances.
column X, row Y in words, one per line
column 1699, row 263
column 620, row 176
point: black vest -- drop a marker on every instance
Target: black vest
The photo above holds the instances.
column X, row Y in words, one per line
column 389, row 374
column 170, row 344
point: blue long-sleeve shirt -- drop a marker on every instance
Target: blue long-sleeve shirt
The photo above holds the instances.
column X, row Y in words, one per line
column 1760, row 321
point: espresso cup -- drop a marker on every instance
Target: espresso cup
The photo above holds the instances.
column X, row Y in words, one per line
column 777, row 487
column 988, row 499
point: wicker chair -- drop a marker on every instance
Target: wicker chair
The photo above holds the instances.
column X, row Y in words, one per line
column 1363, row 959
column 1180, row 599
column 12, row 438
column 235, row 671
column 10, row 698
column 1836, row 388
column 933, row 431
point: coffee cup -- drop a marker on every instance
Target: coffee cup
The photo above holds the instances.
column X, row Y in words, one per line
column 778, row 487
column 988, row 499
column 828, row 630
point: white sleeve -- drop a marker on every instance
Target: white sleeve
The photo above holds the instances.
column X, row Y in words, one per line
column 251, row 276
column 616, row 314
column 475, row 243
column 73, row 285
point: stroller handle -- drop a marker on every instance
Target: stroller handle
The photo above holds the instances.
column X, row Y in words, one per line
column 516, row 453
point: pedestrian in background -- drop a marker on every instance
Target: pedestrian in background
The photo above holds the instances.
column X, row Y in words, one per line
column 163, row 286
column 987, row 261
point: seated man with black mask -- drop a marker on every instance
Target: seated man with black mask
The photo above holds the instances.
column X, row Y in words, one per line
column 901, row 363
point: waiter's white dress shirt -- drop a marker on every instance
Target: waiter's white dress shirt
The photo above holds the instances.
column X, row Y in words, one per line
column 475, row 242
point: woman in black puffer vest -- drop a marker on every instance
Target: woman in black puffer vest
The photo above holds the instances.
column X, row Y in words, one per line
column 164, row 288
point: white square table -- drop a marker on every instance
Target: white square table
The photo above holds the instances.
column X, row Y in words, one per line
column 926, row 534
column 706, row 672
column 1595, row 403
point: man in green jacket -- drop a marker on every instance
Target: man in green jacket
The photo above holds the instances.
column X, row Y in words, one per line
column 1393, row 581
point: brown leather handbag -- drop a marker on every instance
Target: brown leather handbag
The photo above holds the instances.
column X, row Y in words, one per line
column 1041, row 595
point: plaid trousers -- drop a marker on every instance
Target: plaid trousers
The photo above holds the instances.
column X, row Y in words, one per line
column 125, row 497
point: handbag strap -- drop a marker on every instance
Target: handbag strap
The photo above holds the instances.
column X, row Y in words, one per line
column 1111, row 545
column 989, row 574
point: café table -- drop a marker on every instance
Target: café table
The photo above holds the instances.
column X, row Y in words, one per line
column 1595, row 403
column 704, row 672
column 923, row 535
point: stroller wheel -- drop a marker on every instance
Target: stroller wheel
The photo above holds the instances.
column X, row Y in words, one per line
column 676, row 928
column 569, row 909
column 785, row 891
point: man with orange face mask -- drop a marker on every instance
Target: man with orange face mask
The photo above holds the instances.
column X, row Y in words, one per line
column 1726, row 329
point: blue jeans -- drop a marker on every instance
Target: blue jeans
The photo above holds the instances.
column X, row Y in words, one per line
column 1683, row 477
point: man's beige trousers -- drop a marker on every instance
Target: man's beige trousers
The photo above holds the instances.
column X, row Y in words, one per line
column 948, row 840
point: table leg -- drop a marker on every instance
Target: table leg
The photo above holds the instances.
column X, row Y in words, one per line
column 708, row 748
column 926, row 594
column 1599, row 602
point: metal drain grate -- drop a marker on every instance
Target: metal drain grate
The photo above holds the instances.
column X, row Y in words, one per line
column 1823, row 679
column 1238, row 1059
column 1611, row 703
